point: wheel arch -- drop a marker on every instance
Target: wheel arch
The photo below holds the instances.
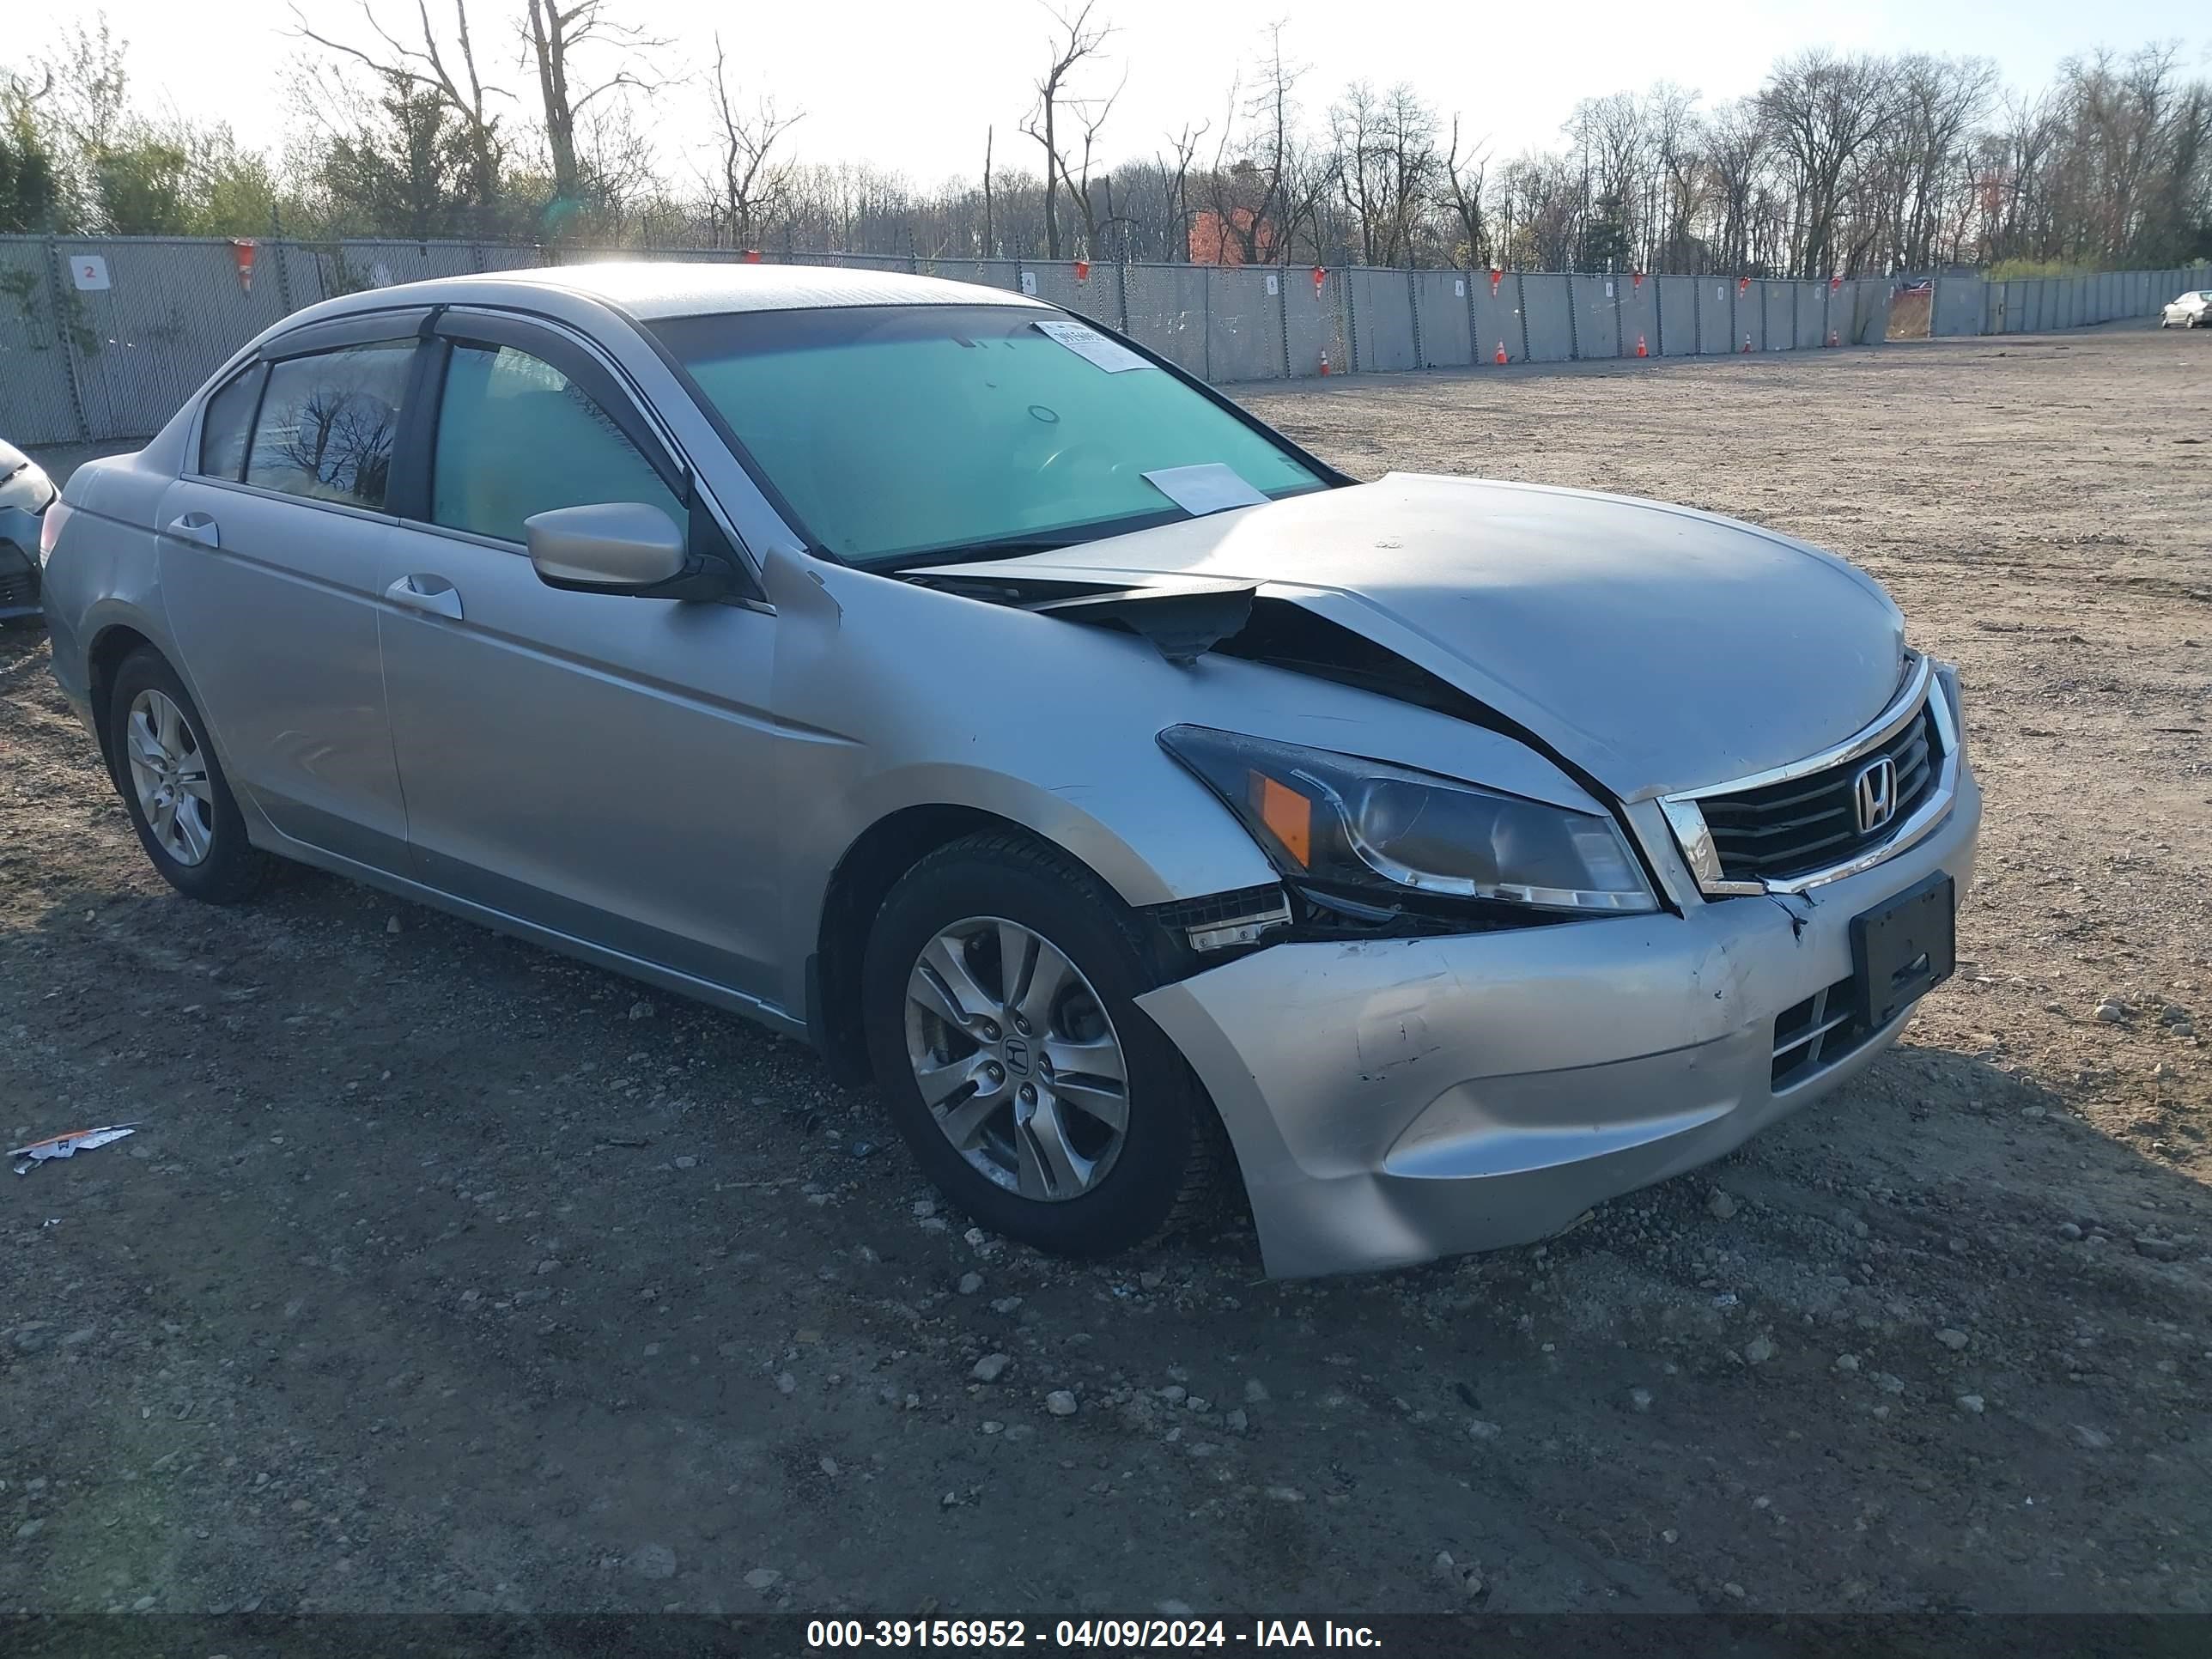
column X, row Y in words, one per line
column 864, row 875
column 869, row 868
column 103, row 658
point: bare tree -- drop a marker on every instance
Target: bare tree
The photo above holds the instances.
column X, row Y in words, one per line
column 1183, row 146
column 753, row 181
column 1078, row 42
column 1824, row 110
column 1082, row 191
column 1463, row 180
column 553, row 33
column 1735, row 154
column 1676, row 195
column 423, row 64
column 1262, row 185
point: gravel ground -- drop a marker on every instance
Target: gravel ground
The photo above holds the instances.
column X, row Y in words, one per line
column 449, row 1275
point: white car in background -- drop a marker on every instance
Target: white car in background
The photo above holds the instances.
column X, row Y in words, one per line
column 2190, row 311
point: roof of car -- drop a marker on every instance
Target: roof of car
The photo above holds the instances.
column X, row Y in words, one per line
column 650, row 288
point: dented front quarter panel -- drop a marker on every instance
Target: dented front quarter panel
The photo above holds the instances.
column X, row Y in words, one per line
column 898, row 696
column 1395, row 1101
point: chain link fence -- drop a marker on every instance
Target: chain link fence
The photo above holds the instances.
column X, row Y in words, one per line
column 102, row 339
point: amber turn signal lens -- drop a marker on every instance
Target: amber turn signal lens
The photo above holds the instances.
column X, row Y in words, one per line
column 1287, row 814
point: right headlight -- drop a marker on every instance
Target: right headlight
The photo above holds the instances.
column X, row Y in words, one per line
column 1365, row 827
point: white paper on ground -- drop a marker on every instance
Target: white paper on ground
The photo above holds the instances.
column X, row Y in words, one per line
column 1093, row 347
column 1210, row 487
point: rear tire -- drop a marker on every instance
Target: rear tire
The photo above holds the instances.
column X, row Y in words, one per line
column 172, row 786
column 1063, row 1177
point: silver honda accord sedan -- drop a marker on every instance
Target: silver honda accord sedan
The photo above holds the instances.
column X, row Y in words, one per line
column 929, row 673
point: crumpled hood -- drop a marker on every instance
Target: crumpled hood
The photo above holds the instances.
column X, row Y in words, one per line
column 1657, row 647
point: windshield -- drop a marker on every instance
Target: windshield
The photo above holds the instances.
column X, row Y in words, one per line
column 897, row 433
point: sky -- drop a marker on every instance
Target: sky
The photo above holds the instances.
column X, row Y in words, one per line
column 912, row 85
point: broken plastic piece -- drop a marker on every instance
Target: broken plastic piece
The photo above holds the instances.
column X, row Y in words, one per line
column 64, row 1146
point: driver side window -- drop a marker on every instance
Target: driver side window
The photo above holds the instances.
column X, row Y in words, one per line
column 516, row 437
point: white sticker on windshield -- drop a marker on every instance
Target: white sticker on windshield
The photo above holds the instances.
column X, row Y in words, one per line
column 1207, row 487
column 1093, row 347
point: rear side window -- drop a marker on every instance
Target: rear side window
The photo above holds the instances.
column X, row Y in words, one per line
column 224, row 428
column 328, row 423
column 516, row 436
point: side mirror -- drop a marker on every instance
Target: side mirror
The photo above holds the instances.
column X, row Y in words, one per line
column 609, row 547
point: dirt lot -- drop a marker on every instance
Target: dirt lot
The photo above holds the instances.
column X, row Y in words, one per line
column 446, row 1274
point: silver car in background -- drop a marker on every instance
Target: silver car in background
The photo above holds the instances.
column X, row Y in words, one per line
column 25, row 494
column 2190, row 310
column 922, row 671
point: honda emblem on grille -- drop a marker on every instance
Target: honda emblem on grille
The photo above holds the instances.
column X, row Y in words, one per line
column 1874, row 794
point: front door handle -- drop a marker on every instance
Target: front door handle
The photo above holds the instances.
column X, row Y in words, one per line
column 196, row 527
column 424, row 593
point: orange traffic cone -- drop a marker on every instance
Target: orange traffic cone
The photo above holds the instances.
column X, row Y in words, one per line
column 1324, row 362
column 1501, row 354
column 1640, row 351
column 1747, row 343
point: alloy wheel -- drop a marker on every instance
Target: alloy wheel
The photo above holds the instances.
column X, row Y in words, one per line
column 1017, row 1059
column 169, row 774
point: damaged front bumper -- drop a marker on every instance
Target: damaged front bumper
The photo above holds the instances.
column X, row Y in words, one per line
column 1394, row 1101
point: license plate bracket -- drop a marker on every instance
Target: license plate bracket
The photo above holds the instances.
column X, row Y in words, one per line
column 1903, row 950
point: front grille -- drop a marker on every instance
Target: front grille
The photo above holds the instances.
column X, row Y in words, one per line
column 18, row 588
column 1810, row 823
column 1815, row 1034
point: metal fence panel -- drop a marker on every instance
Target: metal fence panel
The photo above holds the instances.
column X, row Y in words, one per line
column 1498, row 318
column 1716, row 316
column 1854, row 305
column 1247, row 337
column 1548, row 313
column 1597, row 315
column 1811, row 300
column 171, row 311
column 1382, row 319
column 1956, row 308
column 116, row 361
column 1314, row 323
column 38, row 396
column 1677, row 299
column 1166, row 312
column 1747, row 320
column 1639, row 315
column 38, row 399
column 1440, row 308
column 1096, row 293
column 353, row 265
column 985, row 273
column 1777, row 310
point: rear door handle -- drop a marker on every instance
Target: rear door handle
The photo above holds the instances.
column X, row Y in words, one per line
column 195, row 527
column 425, row 593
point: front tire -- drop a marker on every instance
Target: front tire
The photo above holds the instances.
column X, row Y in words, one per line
column 172, row 786
column 998, row 994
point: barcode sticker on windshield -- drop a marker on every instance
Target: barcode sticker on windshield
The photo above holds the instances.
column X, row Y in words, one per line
column 1093, row 347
